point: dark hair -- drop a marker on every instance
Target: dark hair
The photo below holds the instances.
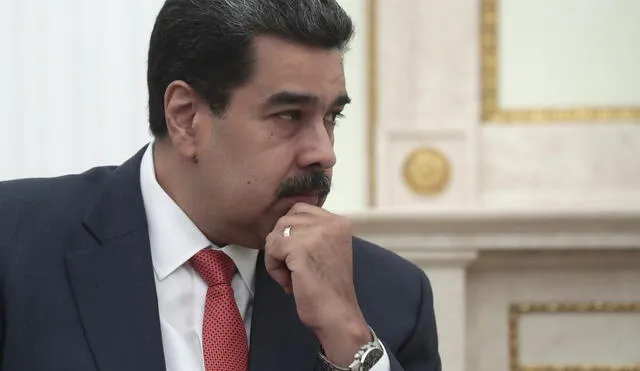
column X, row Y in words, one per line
column 208, row 43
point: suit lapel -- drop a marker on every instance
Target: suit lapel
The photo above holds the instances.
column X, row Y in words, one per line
column 279, row 341
column 113, row 280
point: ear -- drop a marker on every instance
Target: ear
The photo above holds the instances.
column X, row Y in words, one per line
column 180, row 106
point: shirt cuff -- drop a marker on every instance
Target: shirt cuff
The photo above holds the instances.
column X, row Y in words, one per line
column 383, row 363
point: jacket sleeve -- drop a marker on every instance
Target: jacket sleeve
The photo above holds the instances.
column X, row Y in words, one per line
column 1, row 328
column 2, row 319
column 420, row 352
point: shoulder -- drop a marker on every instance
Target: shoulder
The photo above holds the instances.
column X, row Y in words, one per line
column 394, row 294
column 30, row 189
column 381, row 271
column 376, row 260
column 37, row 215
column 39, row 202
column 35, row 188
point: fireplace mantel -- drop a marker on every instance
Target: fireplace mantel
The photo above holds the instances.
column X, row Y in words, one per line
column 481, row 261
column 473, row 230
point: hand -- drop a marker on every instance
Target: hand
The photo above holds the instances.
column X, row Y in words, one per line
column 315, row 263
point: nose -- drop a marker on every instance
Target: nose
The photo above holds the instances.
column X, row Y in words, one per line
column 317, row 147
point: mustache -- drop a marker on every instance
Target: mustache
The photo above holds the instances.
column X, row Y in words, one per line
column 314, row 181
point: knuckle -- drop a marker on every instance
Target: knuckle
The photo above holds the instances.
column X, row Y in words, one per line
column 271, row 241
column 342, row 224
column 298, row 208
column 268, row 242
column 281, row 224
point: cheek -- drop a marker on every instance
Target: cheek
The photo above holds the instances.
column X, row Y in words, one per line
column 264, row 182
column 266, row 165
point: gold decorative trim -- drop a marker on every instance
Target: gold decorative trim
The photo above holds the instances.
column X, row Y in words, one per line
column 372, row 25
column 492, row 113
column 426, row 171
column 518, row 310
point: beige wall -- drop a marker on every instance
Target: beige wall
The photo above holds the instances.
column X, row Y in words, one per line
column 535, row 196
column 549, row 63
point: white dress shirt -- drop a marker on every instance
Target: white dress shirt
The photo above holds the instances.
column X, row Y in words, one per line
column 174, row 239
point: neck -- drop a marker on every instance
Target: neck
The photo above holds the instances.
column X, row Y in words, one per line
column 178, row 177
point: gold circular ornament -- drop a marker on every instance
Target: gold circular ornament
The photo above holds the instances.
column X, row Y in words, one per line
column 426, row 171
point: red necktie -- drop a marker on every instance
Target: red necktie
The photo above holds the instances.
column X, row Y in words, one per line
column 224, row 337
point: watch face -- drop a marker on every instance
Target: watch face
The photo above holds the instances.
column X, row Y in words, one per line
column 371, row 358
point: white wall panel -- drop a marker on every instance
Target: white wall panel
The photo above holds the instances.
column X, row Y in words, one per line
column 73, row 78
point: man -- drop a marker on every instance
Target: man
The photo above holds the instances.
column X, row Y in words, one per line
column 209, row 249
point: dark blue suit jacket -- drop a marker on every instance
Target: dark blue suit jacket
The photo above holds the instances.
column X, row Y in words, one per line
column 77, row 290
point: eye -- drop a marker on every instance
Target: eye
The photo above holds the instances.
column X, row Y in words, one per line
column 292, row 115
column 332, row 118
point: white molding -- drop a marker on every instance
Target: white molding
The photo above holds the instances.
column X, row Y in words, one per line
column 559, row 260
column 567, row 198
column 410, row 232
column 440, row 259
column 428, row 133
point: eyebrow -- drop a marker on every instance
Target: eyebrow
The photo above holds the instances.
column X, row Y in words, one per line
column 290, row 98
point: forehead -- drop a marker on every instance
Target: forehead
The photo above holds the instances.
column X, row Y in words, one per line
column 281, row 65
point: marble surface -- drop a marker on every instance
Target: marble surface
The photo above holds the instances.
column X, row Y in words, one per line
column 448, row 283
column 537, row 165
column 428, row 78
column 580, row 338
column 427, row 88
column 491, row 291
column 552, row 58
column 462, row 230
column 394, row 190
column 544, row 212
column 481, row 261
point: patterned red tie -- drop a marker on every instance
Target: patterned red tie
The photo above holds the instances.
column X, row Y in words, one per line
column 224, row 338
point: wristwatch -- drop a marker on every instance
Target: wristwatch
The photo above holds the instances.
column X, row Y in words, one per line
column 368, row 355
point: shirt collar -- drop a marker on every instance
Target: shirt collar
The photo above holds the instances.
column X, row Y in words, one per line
column 174, row 238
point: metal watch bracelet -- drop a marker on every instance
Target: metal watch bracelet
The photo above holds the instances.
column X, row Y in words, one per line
column 366, row 357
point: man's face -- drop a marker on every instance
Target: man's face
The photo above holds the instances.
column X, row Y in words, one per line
column 273, row 147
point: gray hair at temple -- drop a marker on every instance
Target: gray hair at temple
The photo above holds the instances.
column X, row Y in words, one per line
column 208, row 44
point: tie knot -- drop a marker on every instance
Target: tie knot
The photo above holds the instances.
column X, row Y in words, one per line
column 214, row 266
